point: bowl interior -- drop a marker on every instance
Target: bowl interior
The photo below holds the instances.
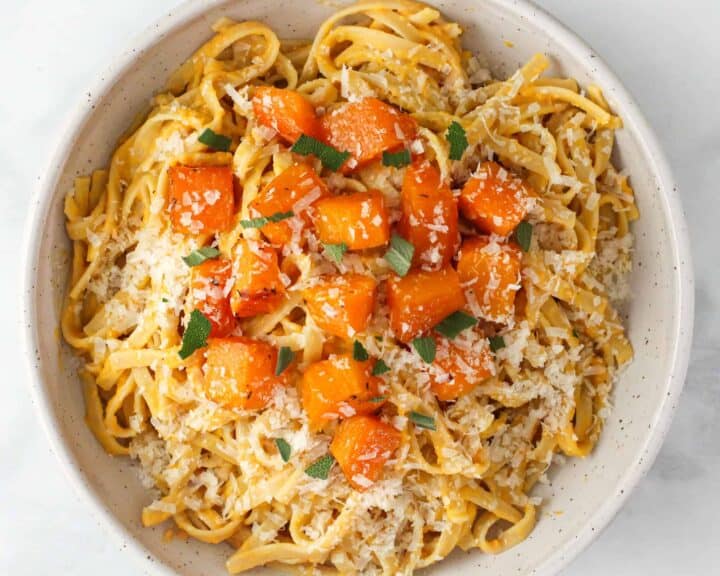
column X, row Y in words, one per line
column 583, row 494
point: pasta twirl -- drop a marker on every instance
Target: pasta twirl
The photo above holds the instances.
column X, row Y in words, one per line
column 345, row 299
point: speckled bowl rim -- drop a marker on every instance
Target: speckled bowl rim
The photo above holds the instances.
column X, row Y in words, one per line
column 634, row 121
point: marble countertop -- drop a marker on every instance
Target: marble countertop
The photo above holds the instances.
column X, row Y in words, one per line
column 666, row 53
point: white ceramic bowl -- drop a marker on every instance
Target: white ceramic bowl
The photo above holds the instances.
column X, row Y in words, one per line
column 589, row 492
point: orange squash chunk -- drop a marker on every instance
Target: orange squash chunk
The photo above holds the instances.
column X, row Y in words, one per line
column 422, row 299
column 465, row 367
column 490, row 273
column 296, row 189
column 240, row 372
column 287, row 112
column 337, row 388
column 341, row 304
column 210, row 290
column 200, row 199
column 358, row 220
column 258, row 287
column 494, row 199
column 366, row 129
column 430, row 216
column 362, row 445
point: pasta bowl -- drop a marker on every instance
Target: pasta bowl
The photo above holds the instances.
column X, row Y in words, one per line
column 659, row 317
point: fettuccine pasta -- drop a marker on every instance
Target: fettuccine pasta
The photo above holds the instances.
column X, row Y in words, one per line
column 346, row 299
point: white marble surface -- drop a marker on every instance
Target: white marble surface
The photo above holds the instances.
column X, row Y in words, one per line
column 667, row 53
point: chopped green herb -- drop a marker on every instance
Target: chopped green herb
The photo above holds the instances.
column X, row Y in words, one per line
column 359, row 352
column 196, row 334
column 425, row 347
column 378, row 399
column 396, row 159
column 284, row 448
column 380, row 368
column 423, row 420
column 496, row 342
column 280, row 216
column 214, row 140
column 452, row 325
column 285, row 356
column 400, row 254
column 335, row 252
column 329, row 156
column 523, row 235
column 197, row 257
column 458, row 140
column 262, row 220
column 165, row 300
column 575, row 333
column 321, row 467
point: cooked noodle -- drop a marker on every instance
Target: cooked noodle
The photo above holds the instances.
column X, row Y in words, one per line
column 466, row 484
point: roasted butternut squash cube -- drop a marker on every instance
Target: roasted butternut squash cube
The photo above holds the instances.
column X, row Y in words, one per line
column 429, row 216
column 337, row 388
column 239, row 372
column 357, row 220
column 295, row 189
column 495, row 199
column 210, row 290
column 465, row 363
column 341, row 305
column 258, row 287
column 490, row 273
column 362, row 445
column 201, row 199
column 422, row 299
column 366, row 129
column 287, row 112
